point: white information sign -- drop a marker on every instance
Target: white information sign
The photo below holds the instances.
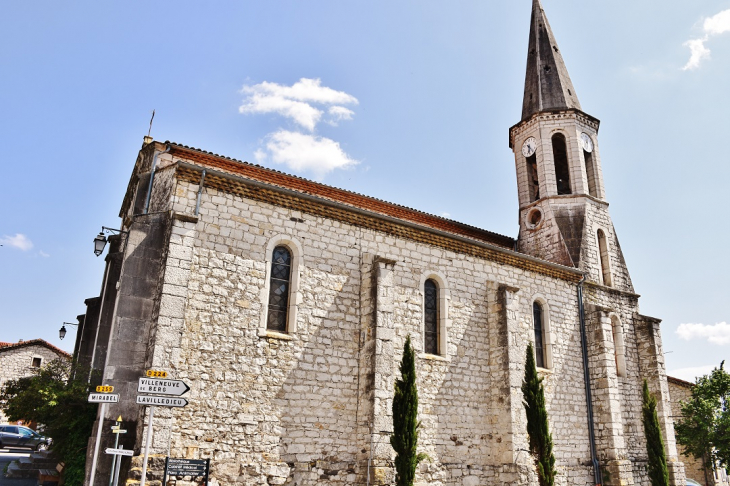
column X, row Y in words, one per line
column 103, row 397
column 161, row 401
column 120, row 452
column 162, row 386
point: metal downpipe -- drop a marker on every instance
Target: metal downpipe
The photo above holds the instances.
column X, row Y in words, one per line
column 587, row 380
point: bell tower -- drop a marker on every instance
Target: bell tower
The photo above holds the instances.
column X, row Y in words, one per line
column 563, row 211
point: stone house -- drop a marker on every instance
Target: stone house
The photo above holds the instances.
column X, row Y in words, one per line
column 284, row 304
column 21, row 359
column 679, row 391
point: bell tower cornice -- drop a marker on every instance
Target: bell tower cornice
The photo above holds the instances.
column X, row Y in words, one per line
column 555, row 115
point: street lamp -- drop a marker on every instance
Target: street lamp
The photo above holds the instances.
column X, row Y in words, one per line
column 100, row 240
column 62, row 331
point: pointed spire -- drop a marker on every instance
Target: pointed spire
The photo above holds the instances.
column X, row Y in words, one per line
column 547, row 83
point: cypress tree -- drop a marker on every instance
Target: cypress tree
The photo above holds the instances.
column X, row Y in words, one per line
column 538, row 429
column 405, row 420
column 657, row 466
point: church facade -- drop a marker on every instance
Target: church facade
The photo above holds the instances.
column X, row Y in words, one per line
column 284, row 304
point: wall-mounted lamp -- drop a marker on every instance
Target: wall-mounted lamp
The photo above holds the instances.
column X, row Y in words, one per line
column 100, row 240
column 62, row 331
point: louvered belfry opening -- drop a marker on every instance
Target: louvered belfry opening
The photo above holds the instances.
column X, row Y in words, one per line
column 562, row 169
column 279, row 289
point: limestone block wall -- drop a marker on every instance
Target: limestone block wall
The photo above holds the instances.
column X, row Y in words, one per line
column 17, row 362
column 288, row 408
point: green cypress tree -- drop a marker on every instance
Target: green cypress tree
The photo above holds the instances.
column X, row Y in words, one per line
column 538, row 429
column 405, row 420
column 658, row 473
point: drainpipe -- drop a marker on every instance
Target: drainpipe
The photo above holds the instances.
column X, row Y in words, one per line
column 152, row 176
column 587, row 380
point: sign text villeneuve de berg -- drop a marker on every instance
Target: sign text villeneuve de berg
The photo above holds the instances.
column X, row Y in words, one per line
column 162, row 386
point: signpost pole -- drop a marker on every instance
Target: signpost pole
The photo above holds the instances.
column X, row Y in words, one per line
column 164, row 476
column 146, row 447
column 118, row 466
column 102, row 411
column 207, row 470
column 114, row 458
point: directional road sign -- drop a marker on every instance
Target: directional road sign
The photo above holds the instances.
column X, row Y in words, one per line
column 103, row 397
column 161, row 401
column 120, row 452
column 162, row 386
column 119, row 431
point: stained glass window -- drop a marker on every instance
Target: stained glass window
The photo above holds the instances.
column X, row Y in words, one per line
column 431, row 317
column 279, row 289
column 538, row 323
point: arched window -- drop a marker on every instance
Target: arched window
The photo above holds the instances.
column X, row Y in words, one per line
column 603, row 254
column 562, row 169
column 431, row 317
column 591, row 174
column 533, row 181
column 538, row 318
column 619, row 346
column 280, row 282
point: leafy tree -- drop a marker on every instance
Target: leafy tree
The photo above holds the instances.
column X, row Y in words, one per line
column 704, row 429
column 405, row 420
column 658, row 473
column 50, row 398
column 538, row 429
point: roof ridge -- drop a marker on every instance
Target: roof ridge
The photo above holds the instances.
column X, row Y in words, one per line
column 346, row 191
column 38, row 341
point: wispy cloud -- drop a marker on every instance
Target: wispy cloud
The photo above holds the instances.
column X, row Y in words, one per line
column 690, row 374
column 19, row 241
column 716, row 333
column 303, row 102
column 304, row 152
column 712, row 26
column 306, row 103
column 43, row 254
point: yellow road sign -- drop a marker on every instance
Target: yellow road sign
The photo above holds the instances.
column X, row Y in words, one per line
column 156, row 374
column 104, row 389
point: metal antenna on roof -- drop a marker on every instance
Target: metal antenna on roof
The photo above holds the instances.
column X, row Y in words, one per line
column 153, row 117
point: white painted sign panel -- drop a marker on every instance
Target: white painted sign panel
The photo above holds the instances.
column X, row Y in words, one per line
column 161, row 386
column 103, row 397
column 161, row 401
column 120, row 452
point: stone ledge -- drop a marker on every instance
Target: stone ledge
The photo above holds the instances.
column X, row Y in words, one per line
column 276, row 335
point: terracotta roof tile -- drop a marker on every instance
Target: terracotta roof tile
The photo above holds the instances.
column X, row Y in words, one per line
column 305, row 186
column 32, row 342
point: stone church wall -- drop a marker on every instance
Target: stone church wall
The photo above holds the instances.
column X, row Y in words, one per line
column 285, row 408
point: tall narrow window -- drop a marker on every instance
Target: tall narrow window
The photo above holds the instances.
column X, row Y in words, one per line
column 279, row 289
column 591, row 174
column 532, row 180
column 431, row 317
column 603, row 253
column 618, row 345
column 537, row 316
column 562, row 169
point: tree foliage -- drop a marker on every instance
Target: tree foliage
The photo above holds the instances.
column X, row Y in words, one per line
column 658, row 474
column 405, row 420
column 704, row 429
column 50, row 398
column 538, row 428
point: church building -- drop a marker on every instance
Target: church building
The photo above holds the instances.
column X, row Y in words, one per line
column 284, row 305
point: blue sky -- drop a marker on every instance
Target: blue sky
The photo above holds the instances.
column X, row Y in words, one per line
column 436, row 86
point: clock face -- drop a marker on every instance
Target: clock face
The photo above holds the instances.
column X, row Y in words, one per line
column 587, row 142
column 529, row 147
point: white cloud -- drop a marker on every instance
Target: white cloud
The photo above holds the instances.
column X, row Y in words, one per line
column 715, row 25
column 689, row 374
column 699, row 52
column 445, row 215
column 43, row 254
column 19, row 241
column 297, row 101
column 716, row 333
column 339, row 113
column 303, row 152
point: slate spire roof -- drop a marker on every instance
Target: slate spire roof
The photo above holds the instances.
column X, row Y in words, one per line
column 547, row 83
